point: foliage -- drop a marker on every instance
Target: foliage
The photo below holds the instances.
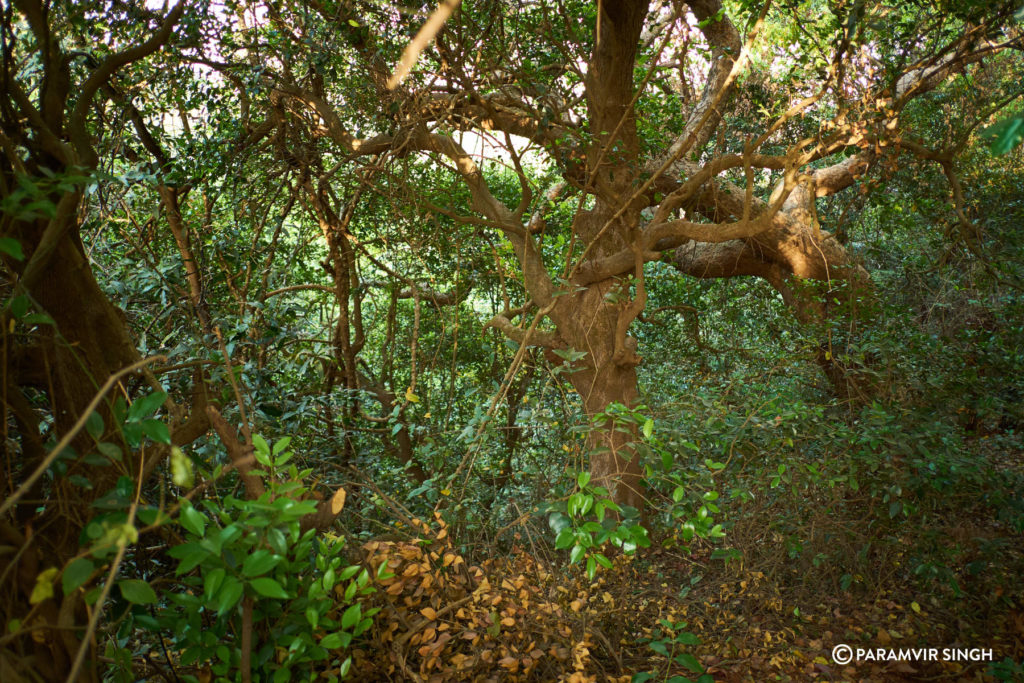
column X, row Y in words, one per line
column 667, row 642
column 248, row 564
column 821, row 420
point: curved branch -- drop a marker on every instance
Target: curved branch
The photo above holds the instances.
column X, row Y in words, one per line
column 544, row 338
column 98, row 78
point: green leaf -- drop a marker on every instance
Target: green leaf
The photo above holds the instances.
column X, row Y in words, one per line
column 351, row 616
column 151, row 516
column 690, row 662
column 146, row 406
column 110, row 450
column 212, row 582
column 137, row 591
column 687, row 638
column 76, row 573
column 192, row 519
column 157, row 431
column 94, row 425
column 262, row 451
column 269, row 588
column 583, row 479
column 261, row 444
column 603, row 561
column 260, row 562
column 564, row 539
column 648, row 428
column 19, row 306
column 12, row 247
column 577, row 554
column 132, row 434
column 281, row 444
column 278, row 542
column 331, row 642
column 558, row 521
column 1005, row 135
column 38, row 319
column 230, row 594
column 591, row 567
column 189, row 556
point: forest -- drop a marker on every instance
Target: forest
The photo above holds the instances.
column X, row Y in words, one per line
column 511, row 340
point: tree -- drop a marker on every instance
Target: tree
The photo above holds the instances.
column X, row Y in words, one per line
column 54, row 80
column 606, row 98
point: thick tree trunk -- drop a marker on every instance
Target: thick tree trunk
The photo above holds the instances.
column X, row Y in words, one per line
column 88, row 344
column 602, row 380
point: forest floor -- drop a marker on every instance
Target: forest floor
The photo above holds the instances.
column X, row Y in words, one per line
column 670, row 611
column 759, row 627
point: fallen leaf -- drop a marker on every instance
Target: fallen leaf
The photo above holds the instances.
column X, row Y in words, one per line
column 338, row 501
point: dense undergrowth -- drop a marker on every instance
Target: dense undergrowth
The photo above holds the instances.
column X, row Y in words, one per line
column 781, row 524
column 276, row 414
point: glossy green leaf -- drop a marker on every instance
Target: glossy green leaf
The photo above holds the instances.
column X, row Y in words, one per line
column 269, row 588
column 137, row 591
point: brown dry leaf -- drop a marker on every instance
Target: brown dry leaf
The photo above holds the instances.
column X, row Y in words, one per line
column 510, row 663
column 448, row 559
column 429, row 613
column 508, row 621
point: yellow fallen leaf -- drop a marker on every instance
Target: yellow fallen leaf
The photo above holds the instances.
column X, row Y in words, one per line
column 411, row 397
column 338, row 501
column 916, row 607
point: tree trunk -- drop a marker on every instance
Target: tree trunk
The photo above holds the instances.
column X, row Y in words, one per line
column 88, row 344
column 595, row 321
